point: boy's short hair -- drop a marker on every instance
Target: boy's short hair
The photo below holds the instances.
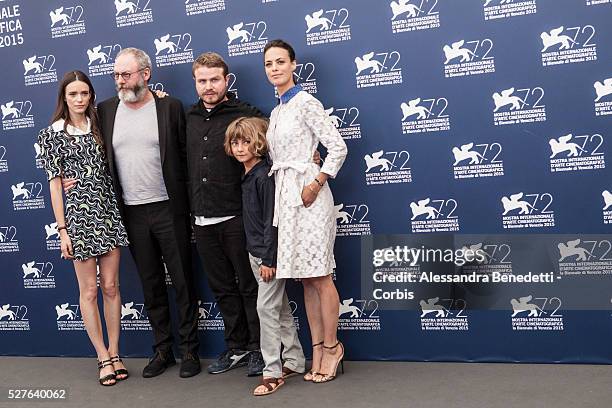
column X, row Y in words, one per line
column 210, row 60
column 253, row 128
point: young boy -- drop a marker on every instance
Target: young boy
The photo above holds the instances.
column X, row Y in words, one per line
column 245, row 140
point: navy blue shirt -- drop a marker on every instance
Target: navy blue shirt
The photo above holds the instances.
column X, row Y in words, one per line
column 258, row 212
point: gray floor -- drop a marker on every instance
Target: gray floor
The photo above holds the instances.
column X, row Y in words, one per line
column 365, row 384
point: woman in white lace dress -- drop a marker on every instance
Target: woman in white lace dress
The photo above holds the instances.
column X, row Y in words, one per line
column 304, row 206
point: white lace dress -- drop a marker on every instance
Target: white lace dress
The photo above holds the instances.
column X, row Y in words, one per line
column 305, row 235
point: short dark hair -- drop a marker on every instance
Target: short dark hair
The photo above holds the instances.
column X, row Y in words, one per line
column 210, row 60
column 281, row 44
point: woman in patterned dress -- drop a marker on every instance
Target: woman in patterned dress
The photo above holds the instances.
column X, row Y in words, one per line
column 89, row 224
column 304, row 206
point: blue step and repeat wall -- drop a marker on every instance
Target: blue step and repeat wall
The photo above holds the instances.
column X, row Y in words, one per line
column 473, row 127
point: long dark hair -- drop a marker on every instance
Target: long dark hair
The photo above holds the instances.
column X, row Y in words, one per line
column 61, row 108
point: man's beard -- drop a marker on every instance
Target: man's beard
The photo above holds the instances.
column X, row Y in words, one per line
column 219, row 98
column 134, row 94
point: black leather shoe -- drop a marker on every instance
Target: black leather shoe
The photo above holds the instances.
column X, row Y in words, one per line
column 158, row 364
column 190, row 365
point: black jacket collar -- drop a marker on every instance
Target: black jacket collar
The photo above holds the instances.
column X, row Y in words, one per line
column 199, row 109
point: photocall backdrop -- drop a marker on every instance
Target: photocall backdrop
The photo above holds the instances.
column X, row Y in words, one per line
column 481, row 124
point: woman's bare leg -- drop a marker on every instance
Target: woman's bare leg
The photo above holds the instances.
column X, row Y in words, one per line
column 109, row 283
column 312, row 304
column 329, row 310
column 88, row 300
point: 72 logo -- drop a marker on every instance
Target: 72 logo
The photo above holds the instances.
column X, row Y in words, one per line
column 44, row 63
column 103, row 54
column 157, row 86
column 598, row 250
column 443, row 307
column 37, row 269
column 14, row 312
column 8, row 233
column 536, row 307
column 16, row 109
column 517, row 99
column 572, row 149
column 434, row 209
column 27, row 191
column 359, row 309
column 386, row 161
column 231, row 87
column 402, row 7
column 478, row 154
column 343, row 117
column 208, row 310
column 497, row 253
column 468, row 51
column 579, row 35
column 424, row 109
column 247, row 32
column 352, row 213
column 130, row 7
column 173, row 43
column 326, row 20
column 304, row 72
column 529, row 205
column 67, row 15
column 134, row 311
column 491, row 253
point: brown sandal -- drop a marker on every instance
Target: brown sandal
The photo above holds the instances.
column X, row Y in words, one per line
column 311, row 374
column 272, row 384
column 288, row 373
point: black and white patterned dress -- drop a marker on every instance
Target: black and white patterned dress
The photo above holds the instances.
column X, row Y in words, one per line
column 93, row 222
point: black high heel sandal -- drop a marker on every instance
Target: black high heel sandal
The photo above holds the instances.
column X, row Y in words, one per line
column 312, row 373
column 103, row 380
column 121, row 371
column 340, row 362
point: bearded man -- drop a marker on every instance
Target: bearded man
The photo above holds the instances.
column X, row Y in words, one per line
column 144, row 139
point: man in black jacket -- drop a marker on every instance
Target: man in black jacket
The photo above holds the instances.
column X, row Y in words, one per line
column 216, row 203
column 144, row 138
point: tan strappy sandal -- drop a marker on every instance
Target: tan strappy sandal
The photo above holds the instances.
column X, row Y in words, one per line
column 311, row 374
column 322, row 377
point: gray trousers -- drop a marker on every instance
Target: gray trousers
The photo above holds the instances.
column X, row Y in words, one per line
column 276, row 326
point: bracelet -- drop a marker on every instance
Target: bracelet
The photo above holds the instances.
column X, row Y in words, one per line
column 61, row 228
column 318, row 182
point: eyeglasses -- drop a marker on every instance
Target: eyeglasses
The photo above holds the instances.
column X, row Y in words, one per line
column 125, row 75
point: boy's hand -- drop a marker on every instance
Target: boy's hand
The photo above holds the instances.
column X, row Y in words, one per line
column 266, row 273
column 68, row 183
column 316, row 158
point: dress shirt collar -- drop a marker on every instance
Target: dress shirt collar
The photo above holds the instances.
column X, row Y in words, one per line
column 286, row 97
column 72, row 130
